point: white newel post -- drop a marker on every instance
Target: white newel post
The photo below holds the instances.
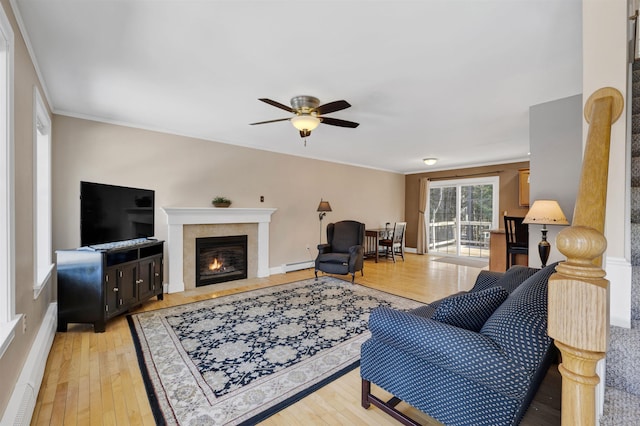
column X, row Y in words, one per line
column 177, row 217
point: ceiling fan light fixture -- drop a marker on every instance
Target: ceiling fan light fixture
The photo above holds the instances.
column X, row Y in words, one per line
column 305, row 122
column 430, row 161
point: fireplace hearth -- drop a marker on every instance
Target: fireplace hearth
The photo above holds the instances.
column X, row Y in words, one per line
column 220, row 259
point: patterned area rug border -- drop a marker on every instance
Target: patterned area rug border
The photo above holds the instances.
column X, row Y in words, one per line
column 187, row 381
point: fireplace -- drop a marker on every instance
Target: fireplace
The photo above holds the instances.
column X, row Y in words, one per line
column 220, row 259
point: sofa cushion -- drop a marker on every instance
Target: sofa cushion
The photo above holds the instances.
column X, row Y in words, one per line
column 340, row 258
column 509, row 280
column 470, row 310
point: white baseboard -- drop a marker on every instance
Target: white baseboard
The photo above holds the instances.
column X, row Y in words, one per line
column 23, row 399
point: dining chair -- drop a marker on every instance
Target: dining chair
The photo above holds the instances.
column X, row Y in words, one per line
column 517, row 238
column 395, row 242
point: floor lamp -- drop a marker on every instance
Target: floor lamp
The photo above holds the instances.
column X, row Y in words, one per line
column 323, row 208
column 545, row 212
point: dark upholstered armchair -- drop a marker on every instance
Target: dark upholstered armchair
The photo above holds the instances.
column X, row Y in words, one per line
column 343, row 254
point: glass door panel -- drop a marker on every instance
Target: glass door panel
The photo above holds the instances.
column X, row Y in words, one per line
column 476, row 219
column 460, row 215
column 442, row 220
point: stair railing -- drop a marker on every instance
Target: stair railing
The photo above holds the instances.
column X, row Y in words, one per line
column 578, row 291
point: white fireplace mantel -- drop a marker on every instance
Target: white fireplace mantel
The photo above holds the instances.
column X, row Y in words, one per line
column 177, row 217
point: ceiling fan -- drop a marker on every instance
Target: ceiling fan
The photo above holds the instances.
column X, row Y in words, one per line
column 309, row 113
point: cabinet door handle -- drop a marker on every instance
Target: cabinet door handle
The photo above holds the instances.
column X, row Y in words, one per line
column 115, row 289
column 157, row 274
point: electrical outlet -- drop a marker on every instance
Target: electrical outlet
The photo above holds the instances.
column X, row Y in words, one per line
column 24, row 324
column 262, row 198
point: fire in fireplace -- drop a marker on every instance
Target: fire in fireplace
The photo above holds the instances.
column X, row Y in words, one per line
column 220, row 259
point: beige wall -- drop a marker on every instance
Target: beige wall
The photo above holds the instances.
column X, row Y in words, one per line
column 508, row 174
column 187, row 172
column 25, row 79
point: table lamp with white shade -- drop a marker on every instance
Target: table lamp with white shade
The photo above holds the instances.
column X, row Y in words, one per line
column 545, row 212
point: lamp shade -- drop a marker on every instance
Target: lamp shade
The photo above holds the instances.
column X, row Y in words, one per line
column 324, row 206
column 305, row 122
column 546, row 212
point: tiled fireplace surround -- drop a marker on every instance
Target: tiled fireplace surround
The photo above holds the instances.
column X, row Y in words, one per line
column 187, row 224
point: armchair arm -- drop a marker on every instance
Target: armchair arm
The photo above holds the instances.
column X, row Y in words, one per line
column 356, row 258
column 324, row 248
column 463, row 352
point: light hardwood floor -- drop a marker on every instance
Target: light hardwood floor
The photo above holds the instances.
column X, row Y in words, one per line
column 94, row 379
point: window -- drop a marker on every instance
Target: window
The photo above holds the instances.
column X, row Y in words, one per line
column 460, row 215
column 7, row 238
column 42, row 143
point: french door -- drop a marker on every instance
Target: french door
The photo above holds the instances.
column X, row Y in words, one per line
column 460, row 213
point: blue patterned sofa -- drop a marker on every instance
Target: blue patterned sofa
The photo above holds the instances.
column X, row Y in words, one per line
column 474, row 358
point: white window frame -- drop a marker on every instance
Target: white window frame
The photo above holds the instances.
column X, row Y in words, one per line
column 8, row 318
column 42, row 195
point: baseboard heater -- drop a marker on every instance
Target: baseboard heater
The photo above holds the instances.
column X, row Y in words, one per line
column 19, row 411
column 296, row 266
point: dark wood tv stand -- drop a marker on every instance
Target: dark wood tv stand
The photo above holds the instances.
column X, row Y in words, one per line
column 96, row 284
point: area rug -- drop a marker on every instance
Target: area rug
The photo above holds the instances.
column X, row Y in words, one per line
column 240, row 358
column 462, row 261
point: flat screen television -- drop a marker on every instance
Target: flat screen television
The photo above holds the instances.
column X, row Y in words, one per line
column 110, row 213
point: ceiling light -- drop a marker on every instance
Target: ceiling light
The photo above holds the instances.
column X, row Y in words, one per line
column 305, row 122
column 430, row 161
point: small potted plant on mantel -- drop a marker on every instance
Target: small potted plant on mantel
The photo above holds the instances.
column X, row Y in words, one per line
column 221, row 202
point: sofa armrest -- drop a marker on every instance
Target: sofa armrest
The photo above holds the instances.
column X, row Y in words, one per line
column 463, row 352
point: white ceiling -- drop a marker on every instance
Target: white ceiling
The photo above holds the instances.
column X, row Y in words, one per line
column 451, row 79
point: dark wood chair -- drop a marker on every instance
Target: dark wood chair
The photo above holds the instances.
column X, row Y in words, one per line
column 395, row 243
column 517, row 238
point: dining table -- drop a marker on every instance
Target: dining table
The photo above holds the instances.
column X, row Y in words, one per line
column 371, row 239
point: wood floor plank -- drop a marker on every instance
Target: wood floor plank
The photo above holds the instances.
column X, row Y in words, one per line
column 94, row 378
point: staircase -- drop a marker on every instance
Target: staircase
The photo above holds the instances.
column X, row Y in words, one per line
column 622, row 394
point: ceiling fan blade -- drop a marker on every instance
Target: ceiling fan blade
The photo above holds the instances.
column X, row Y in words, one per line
column 270, row 121
column 277, row 104
column 332, row 107
column 338, row 122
